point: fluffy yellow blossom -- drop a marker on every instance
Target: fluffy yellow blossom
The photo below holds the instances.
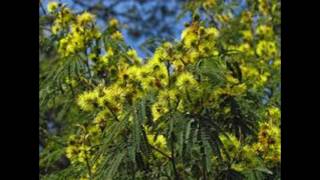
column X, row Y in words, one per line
column 263, row 7
column 133, row 72
column 274, row 114
column 113, row 22
column 113, row 98
column 87, row 101
column 265, row 30
column 269, row 142
column 71, row 152
column 85, row 18
column 186, row 80
column 56, row 28
column 52, row 6
column 276, row 64
column 167, row 95
column 159, row 109
column 249, row 71
column 159, row 142
column 266, row 48
column 189, row 36
column 212, row 32
column 245, row 47
column 247, row 35
column 134, row 56
column 117, row 36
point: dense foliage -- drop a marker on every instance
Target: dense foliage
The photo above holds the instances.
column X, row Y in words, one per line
column 205, row 106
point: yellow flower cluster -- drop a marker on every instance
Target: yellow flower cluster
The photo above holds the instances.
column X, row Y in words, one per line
column 263, row 7
column 52, row 6
column 266, row 48
column 244, row 155
column 269, row 142
column 78, row 30
column 81, row 149
column 62, row 18
column 265, row 31
column 197, row 40
column 78, row 149
column 113, row 22
column 186, row 80
column 166, row 98
column 158, row 141
column 81, row 33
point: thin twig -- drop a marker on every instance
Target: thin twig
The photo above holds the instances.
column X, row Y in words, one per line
column 158, row 150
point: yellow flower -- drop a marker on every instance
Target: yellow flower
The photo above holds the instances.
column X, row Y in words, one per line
column 132, row 53
column 269, row 142
column 186, row 80
column 134, row 56
column 85, row 18
column 212, row 32
column 161, row 53
column 192, row 56
column 264, row 77
column 110, row 52
column 267, row 48
column 56, row 28
column 71, row 81
column 249, row 71
column 246, row 17
column 148, row 83
column 265, row 30
column 277, row 63
column 113, row 22
column 245, row 47
column 71, row 152
column 133, row 72
column 159, row 142
column 87, row 100
column 159, row 109
column 117, row 36
column 263, row 7
column 114, row 98
column 52, row 6
column 104, row 59
column 167, row 95
column 178, row 65
column 274, row 112
column 66, row 15
column 247, row 35
column 95, row 33
column 189, row 36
